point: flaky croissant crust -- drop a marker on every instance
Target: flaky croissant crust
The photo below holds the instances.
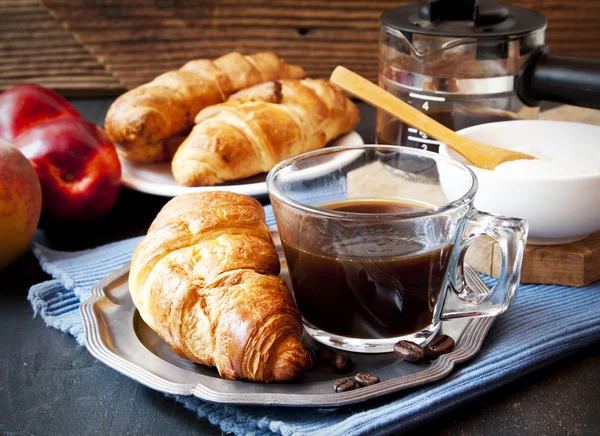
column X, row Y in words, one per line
column 205, row 279
column 149, row 122
column 261, row 126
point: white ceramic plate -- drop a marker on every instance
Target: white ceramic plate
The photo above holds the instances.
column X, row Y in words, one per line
column 157, row 178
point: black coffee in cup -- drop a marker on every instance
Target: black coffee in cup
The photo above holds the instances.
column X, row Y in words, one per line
column 362, row 291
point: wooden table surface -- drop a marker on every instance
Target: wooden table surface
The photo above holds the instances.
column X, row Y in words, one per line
column 51, row 386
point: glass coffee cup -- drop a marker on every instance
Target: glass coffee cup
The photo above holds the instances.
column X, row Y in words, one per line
column 374, row 237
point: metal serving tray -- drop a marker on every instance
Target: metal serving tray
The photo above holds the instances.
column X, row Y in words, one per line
column 116, row 335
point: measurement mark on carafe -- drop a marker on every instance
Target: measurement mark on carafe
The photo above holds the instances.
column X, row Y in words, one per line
column 426, row 97
column 423, row 140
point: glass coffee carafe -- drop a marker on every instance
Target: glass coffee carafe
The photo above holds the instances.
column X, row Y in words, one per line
column 457, row 62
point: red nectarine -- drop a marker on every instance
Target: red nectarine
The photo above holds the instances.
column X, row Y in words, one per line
column 25, row 106
column 77, row 165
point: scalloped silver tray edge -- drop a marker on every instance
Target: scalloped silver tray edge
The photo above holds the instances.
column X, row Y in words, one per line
column 99, row 311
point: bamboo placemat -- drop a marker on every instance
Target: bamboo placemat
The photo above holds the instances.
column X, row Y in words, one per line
column 36, row 48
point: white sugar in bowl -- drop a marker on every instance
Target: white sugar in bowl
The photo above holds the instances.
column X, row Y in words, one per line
column 559, row 194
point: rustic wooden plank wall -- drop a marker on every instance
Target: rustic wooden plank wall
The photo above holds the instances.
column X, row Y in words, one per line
column 35, row 48
column 138, row 39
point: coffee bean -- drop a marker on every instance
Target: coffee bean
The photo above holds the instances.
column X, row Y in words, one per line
column 409, row 351
column 439, row 345
column 325, row 354
column 344, row 384
column 341, row 364
column 366, row 379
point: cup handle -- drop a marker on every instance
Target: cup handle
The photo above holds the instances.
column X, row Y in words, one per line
column 462, row 300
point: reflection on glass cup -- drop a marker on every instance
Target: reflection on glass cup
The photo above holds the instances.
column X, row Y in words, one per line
column 374, row 237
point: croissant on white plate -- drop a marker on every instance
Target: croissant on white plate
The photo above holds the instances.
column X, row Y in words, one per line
column 205, row 278
column 259, row 127
column 149, row 122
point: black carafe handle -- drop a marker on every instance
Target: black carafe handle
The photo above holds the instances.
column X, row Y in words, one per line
column 557, row 78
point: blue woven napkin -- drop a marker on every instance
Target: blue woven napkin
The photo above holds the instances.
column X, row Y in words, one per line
column 545, row 324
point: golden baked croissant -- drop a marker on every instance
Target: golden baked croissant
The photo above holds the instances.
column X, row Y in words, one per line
column 205, row 279
column 149, row 122
column 259, row 127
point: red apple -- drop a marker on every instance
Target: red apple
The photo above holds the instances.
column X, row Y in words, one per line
column 77, row 165
column 25, row 106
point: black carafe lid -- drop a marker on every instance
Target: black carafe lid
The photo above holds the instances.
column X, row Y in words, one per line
column 463, row 18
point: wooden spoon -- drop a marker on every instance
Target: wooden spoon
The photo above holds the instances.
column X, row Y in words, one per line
column 480, row 155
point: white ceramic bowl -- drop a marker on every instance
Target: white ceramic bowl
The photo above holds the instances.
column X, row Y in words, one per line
column 558, row 209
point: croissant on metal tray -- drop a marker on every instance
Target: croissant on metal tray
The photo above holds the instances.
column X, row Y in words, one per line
column 205, row 278
column 149, row 122
column 259, row 127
